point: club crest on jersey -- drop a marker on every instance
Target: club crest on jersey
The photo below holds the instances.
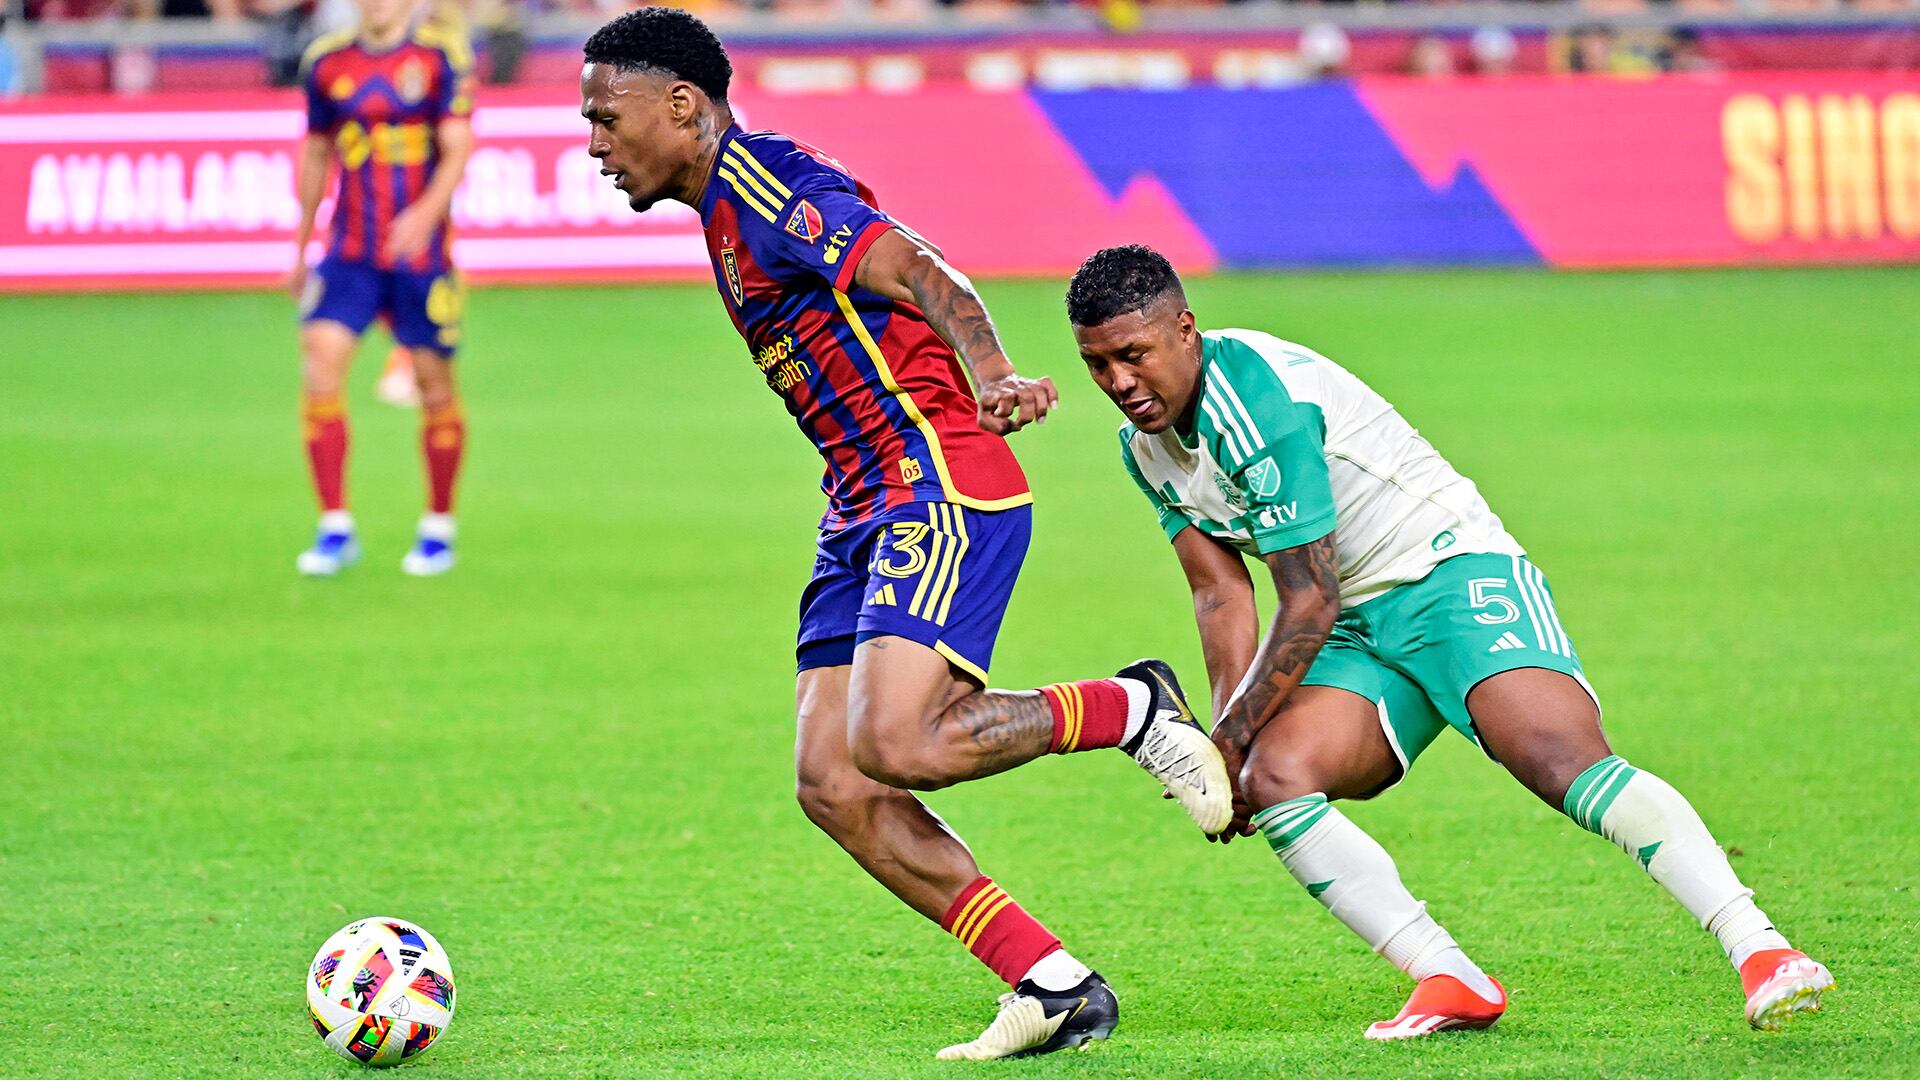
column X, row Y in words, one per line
column 805, row 222
column 411, row 82
column 1229, row 492
column 731, row 267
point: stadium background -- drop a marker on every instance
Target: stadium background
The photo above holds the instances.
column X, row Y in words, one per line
column 570, row 758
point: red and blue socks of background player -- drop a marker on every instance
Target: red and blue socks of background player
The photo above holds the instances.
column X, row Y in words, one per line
column 443, row 439
column 1095, row 713
column 325, row 420
column 1000, row 934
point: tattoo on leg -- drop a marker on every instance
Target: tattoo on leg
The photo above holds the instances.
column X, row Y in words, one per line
column 999, row 722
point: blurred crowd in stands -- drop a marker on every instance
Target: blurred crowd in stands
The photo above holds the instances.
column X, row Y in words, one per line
column 484, row 12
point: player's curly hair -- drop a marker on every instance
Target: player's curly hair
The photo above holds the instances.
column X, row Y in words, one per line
column 1116, row 280
column 667, row 40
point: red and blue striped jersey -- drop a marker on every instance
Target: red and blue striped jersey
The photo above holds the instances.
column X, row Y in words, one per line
column 383, row 110
column 883, row 398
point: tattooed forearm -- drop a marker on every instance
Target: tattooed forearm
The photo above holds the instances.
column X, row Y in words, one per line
column 954, row 311
column 1308, row 581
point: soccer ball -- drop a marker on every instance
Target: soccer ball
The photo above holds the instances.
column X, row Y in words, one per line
column 380, row 991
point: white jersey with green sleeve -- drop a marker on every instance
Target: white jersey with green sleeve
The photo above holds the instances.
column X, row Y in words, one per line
column 1288, row 446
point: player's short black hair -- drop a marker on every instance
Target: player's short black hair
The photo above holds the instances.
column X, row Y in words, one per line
column 1116, row 280
column 666, row 40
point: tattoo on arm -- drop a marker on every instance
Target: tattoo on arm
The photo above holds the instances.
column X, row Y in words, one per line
column 954, row 311
column 1308, row 580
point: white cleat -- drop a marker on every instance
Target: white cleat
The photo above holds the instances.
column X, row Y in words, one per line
column 432, row 551
column 1036, row 1021
column 1780, row 983
column 334, row 548
column 1021, row 1024
column 1176, row 751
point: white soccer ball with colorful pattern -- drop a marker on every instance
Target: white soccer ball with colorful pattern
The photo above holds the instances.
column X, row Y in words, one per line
column 380, row 991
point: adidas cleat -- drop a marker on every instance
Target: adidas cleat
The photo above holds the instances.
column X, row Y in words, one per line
column 1441, row 1003
column 1779, row 983
column 333, row 550
column 1035, row 1021
column 432, row 551
column 1175, row 749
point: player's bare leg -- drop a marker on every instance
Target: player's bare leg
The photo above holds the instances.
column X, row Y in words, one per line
column 917, row 722
column 443, row 440
column 1545, row 727
column 908, row 849
column 326, row 351
column 1327, row 744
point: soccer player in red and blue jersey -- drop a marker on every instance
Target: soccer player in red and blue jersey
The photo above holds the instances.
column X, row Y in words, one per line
column 391, row 103
column 871, row 342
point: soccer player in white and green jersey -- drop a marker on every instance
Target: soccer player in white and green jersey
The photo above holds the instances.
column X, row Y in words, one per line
column 1404, row 608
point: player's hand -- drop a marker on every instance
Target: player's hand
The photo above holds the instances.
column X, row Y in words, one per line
column 297, row 279
column 411, row 232
column 1011, row 403
column 1236, row 758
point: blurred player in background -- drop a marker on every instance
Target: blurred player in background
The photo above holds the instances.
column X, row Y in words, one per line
column 398, row 386
column 863, row 331
column 391, row 103
column 1404, row 608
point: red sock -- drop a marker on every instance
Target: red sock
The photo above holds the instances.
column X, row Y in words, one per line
column 997, row 931
column 443, row 437
column 326, row 423
column 1087, row 715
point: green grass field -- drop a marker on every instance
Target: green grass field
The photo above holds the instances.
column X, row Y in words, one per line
column 570, row 759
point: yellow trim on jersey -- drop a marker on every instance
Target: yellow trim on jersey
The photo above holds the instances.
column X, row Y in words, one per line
column 327, row 43
column 448, row 40
column 919, row 419
column 745, row 195
column 785, row 191
column 961, row 662
column 772, row 199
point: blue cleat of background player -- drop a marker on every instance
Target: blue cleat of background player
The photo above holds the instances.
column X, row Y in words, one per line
column 432, row 551
column 334, row 548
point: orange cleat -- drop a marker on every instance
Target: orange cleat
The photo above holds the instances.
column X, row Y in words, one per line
column 1441, row 1003
column 1779, row 983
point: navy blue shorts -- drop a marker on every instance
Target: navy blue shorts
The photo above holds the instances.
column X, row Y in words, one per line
column 932, row 572
column 423, row 309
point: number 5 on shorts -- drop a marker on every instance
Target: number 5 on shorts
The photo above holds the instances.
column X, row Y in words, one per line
column 1478, row 598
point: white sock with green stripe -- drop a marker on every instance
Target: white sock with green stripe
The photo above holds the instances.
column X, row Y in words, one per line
column 1355, row 878
column 1658, row 827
